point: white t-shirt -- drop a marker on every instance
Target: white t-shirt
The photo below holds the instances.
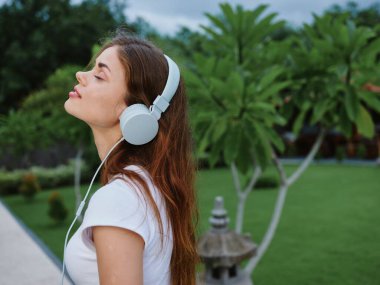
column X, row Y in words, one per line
column 120, row 205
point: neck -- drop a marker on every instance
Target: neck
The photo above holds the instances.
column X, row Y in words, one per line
column 105, row 139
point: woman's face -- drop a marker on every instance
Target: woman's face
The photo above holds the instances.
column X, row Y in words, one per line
column 98, row 98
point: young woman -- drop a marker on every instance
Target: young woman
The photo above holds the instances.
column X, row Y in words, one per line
column 139, row 227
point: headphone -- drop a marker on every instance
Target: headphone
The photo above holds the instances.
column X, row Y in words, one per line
column 139, row 125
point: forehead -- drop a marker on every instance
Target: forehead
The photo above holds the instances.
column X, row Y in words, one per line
column 110, row 57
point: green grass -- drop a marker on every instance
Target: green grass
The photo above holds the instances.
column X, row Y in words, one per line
column 329, row 232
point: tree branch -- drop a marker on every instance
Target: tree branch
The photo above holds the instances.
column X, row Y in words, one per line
column 235, row 176
column 270, row 231
column 256, row 174
column 308, row 159
column 280, row 168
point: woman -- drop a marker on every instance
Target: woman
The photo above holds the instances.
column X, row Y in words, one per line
column 139, row 228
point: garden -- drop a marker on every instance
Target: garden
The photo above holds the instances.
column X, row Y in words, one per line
column 286, row 125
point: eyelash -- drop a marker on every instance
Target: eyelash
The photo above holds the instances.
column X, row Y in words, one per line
column 98, row 78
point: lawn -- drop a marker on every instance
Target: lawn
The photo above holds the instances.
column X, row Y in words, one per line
column 329, row 232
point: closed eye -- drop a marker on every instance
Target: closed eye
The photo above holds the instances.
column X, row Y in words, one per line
column 98, row 78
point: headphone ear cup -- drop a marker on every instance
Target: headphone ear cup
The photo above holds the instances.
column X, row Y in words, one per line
column 137, row 125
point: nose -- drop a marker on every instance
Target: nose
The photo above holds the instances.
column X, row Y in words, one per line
column 80, row 77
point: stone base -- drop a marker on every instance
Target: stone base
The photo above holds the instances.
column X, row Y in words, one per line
column 242, row 279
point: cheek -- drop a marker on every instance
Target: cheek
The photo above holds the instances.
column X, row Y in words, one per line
column 104, row 111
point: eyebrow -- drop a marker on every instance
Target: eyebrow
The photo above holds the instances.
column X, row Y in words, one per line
column 101, row 64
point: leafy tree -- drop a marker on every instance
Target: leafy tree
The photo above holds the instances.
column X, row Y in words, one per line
column 62, row 127
column 38, row 36
column 366, row 16
column 331, row 62
column 187, row 42
column 236, row 95
column 242, row 94
column 21, row 132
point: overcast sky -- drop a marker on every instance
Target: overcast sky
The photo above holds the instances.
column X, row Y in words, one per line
column 167, row 15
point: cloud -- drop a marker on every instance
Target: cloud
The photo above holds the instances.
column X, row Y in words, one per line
column 168, row 15
column 167, row 24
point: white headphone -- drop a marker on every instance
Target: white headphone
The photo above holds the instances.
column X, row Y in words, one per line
column 139, row 124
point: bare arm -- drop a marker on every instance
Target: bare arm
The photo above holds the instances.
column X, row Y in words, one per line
column 120, row 255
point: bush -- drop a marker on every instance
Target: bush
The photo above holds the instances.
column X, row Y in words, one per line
column 29, row 186
column 60, row 176
column 361, row 151
column 57, row 210
column 10, row 181
column 340, row 153
column 267, row 181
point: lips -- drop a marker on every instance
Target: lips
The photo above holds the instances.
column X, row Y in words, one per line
column 75, row 93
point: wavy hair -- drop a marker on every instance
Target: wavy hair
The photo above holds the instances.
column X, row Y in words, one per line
column 168, row 158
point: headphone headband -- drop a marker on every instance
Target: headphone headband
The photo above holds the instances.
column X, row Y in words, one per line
column 173, row 80
column 139, row 124
column 161, row 103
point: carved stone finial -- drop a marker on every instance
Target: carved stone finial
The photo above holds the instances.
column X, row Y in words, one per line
column 219, row 220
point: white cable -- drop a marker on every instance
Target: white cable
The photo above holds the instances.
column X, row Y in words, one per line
column 80, row 208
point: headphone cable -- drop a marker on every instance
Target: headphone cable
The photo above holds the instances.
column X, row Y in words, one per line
column 80, row 208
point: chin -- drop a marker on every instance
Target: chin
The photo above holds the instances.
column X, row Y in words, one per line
column 66, row 106
column 69, row 109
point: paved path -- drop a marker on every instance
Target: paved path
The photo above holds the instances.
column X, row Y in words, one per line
column 24, row 259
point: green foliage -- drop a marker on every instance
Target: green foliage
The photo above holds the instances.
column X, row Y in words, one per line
column 235, row 87
column 340, row 153
column 361, row 151
column 29, row 186
column 10, row 181
column 42, row 120
column 365, row 16
column 48, row 178
column 60, row 175
column 37, row 37
column 57, row 210
column 50, row 101
column 332, row 60
column 241, row 32
column 23, row 131
column 267, row 181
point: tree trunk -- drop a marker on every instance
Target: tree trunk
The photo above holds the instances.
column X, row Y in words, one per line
column 240, row 213
column 271, row 230
column 285, row 183
column 243, row 194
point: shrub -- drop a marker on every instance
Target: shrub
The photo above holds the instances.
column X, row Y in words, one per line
column 361, row 151
column 267, row 181
column 47, row 177
column 57, row 210
column 340, row 153
column 59, row 176
column 10, row 181
column 29, row 186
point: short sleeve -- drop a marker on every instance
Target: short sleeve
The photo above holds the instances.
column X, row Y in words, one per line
column 116, row 204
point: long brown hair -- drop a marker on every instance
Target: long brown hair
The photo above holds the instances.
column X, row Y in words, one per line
column 168, row 158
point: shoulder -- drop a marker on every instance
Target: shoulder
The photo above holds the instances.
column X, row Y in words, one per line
column 119, row 204
column 120, row 190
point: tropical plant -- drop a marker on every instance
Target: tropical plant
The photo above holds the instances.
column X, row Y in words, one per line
column 241, row 92
column 236, row 95
column 331, row 62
